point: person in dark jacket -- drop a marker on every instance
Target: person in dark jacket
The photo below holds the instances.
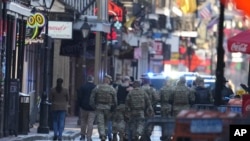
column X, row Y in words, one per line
column 87, row 112
column 226, row 92
column 118, row 121
column 202, row 95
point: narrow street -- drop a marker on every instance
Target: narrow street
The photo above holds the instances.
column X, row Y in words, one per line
column 155, row 135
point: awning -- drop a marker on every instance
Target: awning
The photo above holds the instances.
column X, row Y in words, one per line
column 96, row 25
column 240, row 42
column 17, row 8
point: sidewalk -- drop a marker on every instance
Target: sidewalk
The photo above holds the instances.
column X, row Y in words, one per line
column 71, row 131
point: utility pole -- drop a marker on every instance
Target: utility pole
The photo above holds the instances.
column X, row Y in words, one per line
column 102, row 15
column 44, row 111
column 3, row 14
column 43, row 122
column 220, row 59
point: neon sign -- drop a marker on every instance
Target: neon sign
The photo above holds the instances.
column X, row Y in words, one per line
column 35, row 24
column 114, row 10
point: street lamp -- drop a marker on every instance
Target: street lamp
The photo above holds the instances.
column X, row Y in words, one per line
column 85, row 29
column 43, row 122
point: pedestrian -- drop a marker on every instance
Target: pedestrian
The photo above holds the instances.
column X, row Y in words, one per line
column 166, row 107
column 59, row 98
column 202, row 94
column 137, row 102
column 226, row 92
column 154, row 99
column 118, row 120
column 117, row 81
column 87, row 112
column 103, row 100
column 182, row 96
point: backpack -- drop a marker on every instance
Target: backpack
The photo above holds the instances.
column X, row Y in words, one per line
column 202, row 96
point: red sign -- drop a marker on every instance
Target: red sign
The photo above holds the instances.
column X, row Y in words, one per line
column 112, row 35
column 114, row 10
column 239, row 4
column 158, row 48
column 246, row 104
column 240, row 42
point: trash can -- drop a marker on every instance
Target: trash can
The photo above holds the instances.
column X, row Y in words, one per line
column 24, row 112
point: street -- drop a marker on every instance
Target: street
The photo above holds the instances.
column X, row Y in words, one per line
column 155, row 135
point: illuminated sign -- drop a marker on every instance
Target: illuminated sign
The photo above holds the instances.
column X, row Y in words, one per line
column 115, row 11
column 35, row 24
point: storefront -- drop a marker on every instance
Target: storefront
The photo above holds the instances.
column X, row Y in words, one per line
column 13, row 24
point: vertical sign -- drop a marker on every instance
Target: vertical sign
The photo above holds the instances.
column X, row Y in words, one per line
column 158, row 48
column 246, row 104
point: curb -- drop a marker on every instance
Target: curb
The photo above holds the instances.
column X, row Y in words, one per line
column 68, row 135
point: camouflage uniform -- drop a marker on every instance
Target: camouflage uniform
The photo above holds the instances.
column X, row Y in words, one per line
column 118, row 120
column 182, row 97
column 166, row 107
column 103, row 98
column 136, row 103
column 154, row 98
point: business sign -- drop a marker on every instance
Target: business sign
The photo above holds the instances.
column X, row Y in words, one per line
column 114, row 10
column 35, row 24
column 158, row 48
column 60, row 30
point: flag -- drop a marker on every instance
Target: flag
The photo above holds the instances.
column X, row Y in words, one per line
column 214, row 21
column 206, row 11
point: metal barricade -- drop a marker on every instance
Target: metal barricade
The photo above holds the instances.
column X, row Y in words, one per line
column 204, row 107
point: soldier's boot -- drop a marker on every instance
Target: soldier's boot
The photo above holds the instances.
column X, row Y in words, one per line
column 136, row 138
column 145, row 138
column 125, row 137
column 103, row 138
column 121, row 136
column 115, row 137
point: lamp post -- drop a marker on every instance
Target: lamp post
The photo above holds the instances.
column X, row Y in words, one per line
column 43, row 122
column 85, row 33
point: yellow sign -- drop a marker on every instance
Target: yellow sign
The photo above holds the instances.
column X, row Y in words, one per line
column 35, row 24
column 175, row 56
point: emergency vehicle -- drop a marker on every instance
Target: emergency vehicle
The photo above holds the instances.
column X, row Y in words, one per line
column 158, row 80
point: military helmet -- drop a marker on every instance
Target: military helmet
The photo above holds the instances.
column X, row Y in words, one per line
column 108, row 76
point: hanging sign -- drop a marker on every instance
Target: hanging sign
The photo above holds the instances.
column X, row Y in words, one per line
column 35, row 24
column 60, row 30
column 114, row 10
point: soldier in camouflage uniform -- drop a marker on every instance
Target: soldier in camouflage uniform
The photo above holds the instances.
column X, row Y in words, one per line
column 166, row 107
column 103, row 99
column 181, row 97
column 118, row 116
column 154, row 98
column 137, row 102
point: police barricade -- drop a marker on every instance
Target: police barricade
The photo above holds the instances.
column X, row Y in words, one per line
column 222, row 108
column 203, row 125
column 230, row 108
column 204, row 107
